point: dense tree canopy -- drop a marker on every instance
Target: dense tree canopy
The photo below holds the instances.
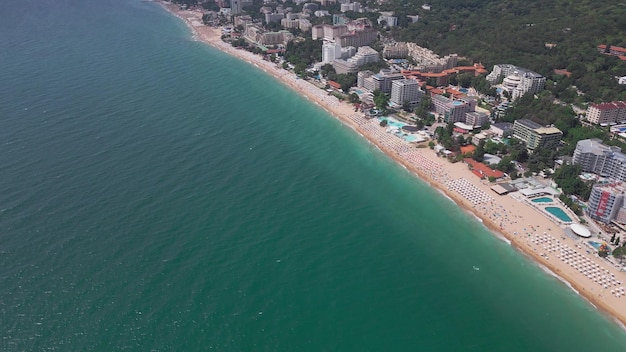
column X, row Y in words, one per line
column 567, row 178
column 516, row 32
column 307, row 51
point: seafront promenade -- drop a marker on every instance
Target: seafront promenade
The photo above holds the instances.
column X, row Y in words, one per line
column 534, row 234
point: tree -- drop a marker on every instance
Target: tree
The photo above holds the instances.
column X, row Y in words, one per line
column 300, row 68
column 492, row 147
column 567, row 178
column 307, row 51
column 326, row 69
column 465, row 80
column 505, row 165
column 619, row 252
column 381, row 100
column 383, row 123
column 479, row 153
column 353, row 98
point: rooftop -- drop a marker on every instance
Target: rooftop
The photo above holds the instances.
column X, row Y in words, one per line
column 548, row 130
column 528, row 123
column 595, row 146
column 483, row 170
column 609, row 106
column 503, row 125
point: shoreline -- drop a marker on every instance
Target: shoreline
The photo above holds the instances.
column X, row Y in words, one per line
column 504, row 216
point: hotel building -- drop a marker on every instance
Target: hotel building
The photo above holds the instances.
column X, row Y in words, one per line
column 330, row 52
column 358, row 38
column 607, row 113
column 600, row 159
column 476, row 118
column 606, row 203
column 405, row 90
column 363, row 56
column 380, row 81
column 328, row 32
column 536, row 136
column 517, row 80
column 451, row 110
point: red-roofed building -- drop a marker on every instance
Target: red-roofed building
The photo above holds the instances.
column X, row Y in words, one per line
column 455, row 93
column 613, row 50
column 334, row 85
column 483, row 171
column 563, row 72
column 275, row 51
column 437, row 91
column 607, row 113
column 442, row 77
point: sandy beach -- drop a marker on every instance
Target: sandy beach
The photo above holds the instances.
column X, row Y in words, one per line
column 525, row 226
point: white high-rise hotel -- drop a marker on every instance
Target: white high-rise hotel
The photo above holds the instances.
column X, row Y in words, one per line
column 405, row 90
column 330, row 52
column 517, row 80
column 606, row 161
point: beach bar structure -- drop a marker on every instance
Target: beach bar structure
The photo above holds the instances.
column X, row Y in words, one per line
column 503, row 188
column 580, row 230
column 483, row 171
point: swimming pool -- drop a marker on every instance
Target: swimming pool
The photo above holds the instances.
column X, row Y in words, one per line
column 357, row 91
column 543, row 200
column 412, row 138
column 559, row 213
column 392, row 123
column 595, row 244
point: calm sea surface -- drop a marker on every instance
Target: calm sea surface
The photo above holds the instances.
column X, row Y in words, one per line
column 156, row 194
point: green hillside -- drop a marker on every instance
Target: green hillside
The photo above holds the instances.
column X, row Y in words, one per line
column 516, row 32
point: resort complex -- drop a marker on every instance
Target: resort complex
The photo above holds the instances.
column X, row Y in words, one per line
column 457, row 126
column 517, row 80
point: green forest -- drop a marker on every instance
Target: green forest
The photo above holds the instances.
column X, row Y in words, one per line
column 516, row 32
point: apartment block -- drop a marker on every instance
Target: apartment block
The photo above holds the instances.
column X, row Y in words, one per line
column 517, row 80
column 405, row 91
column 536, row 136
column 381, row 81
column 607, row 113
column 606, row 202
column 364, row 55
column 476, row 118
column 600, row 159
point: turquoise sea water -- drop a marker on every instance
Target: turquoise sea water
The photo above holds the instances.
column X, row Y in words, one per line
column 159, row 195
